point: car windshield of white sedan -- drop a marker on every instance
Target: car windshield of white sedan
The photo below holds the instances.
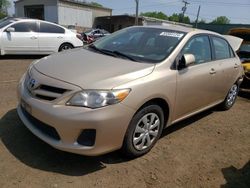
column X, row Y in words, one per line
column 143, row 44
column 5, row 22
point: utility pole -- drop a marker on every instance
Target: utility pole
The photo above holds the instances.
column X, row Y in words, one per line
column 184, row 9
column 197, row 18
column 137, row 11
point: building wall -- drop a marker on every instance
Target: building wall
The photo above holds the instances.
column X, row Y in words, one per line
column 79, row 15
column 50, row 8
column 74, row 15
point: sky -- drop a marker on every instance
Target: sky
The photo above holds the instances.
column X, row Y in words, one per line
column 237, row 11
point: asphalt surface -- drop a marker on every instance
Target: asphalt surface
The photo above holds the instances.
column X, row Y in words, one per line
column 211, row 149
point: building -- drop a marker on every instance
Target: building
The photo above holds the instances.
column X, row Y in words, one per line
column 64, row 12
column 117, row 22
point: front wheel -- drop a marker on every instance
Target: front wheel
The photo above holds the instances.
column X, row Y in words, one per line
column 144, row 130
column 230, row 98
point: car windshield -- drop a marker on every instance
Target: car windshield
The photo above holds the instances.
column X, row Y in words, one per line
column 143, row 44
column 5, row 22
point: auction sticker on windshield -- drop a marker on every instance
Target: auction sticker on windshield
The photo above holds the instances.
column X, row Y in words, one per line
column 172, row 34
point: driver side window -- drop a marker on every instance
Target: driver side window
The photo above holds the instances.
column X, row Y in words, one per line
column 199, row 46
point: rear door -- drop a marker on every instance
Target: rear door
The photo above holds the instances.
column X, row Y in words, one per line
column 50, row 37
column 228, row 64
column 24, row 40
column 197, row 85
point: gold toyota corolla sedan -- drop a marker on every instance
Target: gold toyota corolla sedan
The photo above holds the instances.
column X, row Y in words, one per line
column 121, row 91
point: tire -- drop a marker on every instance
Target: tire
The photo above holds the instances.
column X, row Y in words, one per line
column 143, row 131
column 65, row 46
column 230, row 98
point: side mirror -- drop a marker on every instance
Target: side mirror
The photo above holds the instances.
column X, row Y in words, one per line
column 10, row 29
column 185, row 61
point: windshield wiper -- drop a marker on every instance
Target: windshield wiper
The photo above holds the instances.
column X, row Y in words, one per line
column 123, row 55
column 92, row 46
column 111, row 53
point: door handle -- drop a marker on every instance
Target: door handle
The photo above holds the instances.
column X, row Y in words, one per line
column 212, row 71
column 60, row 37
column 236, row 65
column 33, row 38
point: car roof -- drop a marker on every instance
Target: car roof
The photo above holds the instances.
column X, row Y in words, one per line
column 181, row 29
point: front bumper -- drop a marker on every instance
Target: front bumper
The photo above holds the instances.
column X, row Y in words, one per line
column 110, row 124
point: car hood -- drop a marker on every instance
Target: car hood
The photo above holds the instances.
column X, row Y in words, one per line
column 91, row 70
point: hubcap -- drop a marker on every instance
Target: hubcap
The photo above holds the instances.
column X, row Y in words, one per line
column 232, row 95
column 147, row 129
column 66, row 47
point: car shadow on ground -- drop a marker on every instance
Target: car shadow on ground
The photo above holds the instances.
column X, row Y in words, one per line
column 21, row 57
column 236, row 178
column 33, row 152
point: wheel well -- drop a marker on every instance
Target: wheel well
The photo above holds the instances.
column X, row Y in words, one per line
column 64, row 44
column 160, row 102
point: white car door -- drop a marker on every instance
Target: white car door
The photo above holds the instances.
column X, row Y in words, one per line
column 22, row 38
column 50, row 37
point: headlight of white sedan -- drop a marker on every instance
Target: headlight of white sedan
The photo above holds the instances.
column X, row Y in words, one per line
column 97, row 98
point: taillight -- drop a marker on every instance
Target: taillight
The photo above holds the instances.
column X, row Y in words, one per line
column 79, row 36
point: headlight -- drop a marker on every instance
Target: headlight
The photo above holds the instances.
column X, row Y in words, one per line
column 97, row 99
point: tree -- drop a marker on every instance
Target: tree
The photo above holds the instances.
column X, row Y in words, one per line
column 4, row 4
column 221, row 20
column 202, row 21
column 159, row 15
column 176, row 18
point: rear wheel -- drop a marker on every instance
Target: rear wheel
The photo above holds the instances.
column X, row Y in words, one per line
column 65, row 46
column 144, row 130
column 230, row 98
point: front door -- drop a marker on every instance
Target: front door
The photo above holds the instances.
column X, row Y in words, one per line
column 23, row 40
column 197, row 85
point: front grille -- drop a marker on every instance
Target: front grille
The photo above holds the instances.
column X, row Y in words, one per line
column 43, row 91
column 42, row 127
column 53, row 89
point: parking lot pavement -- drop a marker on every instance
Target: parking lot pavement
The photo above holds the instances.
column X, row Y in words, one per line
column 211, row 149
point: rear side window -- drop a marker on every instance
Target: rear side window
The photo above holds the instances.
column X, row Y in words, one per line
column 199, row 46
column 50, row 28
column 221, row 48
column 25, row 27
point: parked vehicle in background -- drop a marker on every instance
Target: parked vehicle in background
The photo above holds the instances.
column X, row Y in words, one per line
column 122, row 90
column 32, row 36
column 244, row 54
column 87, row 39
column 92, row 35
column 97, row 33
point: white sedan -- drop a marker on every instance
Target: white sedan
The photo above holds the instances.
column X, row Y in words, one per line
column 31, row 36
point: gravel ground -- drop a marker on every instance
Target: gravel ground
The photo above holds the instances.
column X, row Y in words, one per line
column 211, row 149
